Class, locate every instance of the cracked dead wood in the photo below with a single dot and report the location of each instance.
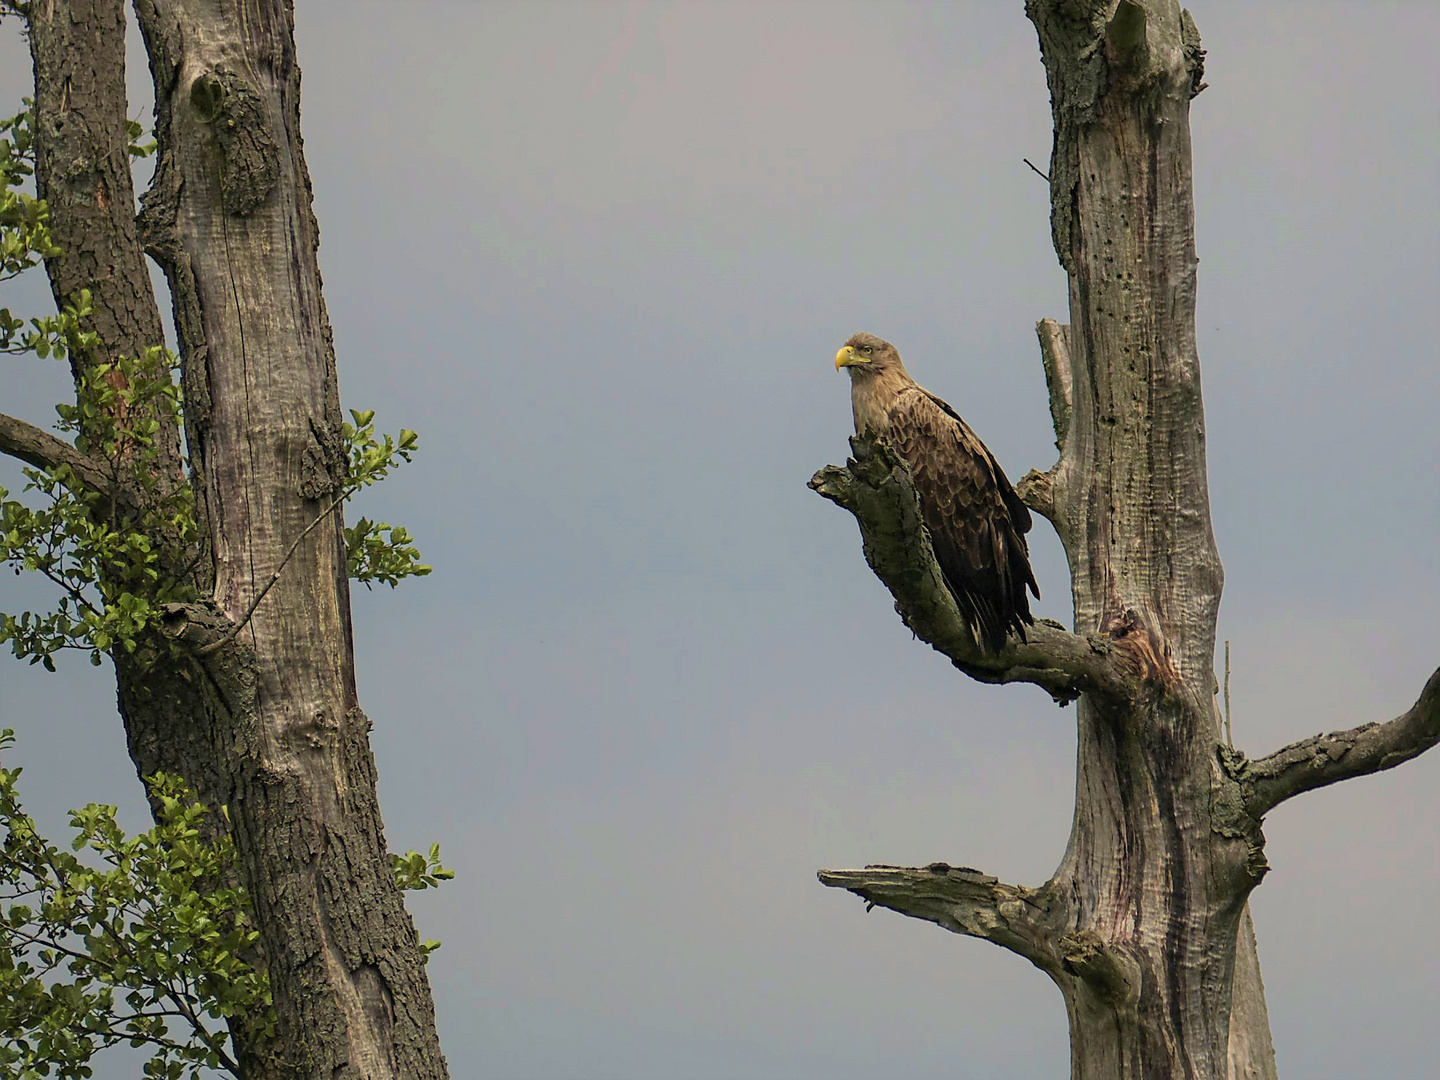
(963, 901)
(261, 714)
(1144, 925)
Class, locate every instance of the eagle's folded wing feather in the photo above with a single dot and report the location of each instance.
(976, 521)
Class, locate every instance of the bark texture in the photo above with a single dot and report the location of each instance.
(268, 722)
(229, 218)
(1144, 925)
(1149, 877)
(82, 169)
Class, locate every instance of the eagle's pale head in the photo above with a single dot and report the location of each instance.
(866, 356)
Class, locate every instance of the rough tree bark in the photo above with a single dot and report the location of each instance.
(1144, 925)
(260, 713)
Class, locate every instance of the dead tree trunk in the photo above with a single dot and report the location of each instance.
(259, 711)
(1144, 925)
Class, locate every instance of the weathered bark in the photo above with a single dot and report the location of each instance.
(1144, 925)
(268, 723)
(229, 218)
(82, 169)
(1149, 895)
(1130, 502)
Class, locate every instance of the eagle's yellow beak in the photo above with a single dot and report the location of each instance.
(845, 357)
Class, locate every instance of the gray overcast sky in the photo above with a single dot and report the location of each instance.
(600, 256)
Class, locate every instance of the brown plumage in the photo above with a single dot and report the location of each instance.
(977, 523)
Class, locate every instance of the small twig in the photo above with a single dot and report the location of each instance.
(206, 650)
(1043, 176)
(69, 590)
(1228, 741)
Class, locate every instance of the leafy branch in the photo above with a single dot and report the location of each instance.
(148, 947)
(415, 871)
(144, 948)
(378, 551)
(138, 144)
(24, 220)
(112, 560)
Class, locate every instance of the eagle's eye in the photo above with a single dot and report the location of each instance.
(866, 349)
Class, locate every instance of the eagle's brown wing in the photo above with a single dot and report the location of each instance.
(976, 521)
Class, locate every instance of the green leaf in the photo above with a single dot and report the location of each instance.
(159, 920)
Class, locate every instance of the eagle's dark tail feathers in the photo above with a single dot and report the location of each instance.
(992, 623)
(994, 605)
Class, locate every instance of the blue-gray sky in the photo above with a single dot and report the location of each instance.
(600, 256)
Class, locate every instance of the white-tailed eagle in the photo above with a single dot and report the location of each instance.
(977, 523)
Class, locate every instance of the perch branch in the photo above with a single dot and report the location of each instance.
(963, 901)
(1339, 755)
(875, 486)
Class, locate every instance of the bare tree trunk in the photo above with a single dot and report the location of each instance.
(1139, 924)
(264, 721)
(228, 217)
(83, 172)
(1144, 925)
(1154, 886)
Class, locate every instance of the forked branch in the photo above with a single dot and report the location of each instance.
(875, 486)
(963, 901)
(1339, 755)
